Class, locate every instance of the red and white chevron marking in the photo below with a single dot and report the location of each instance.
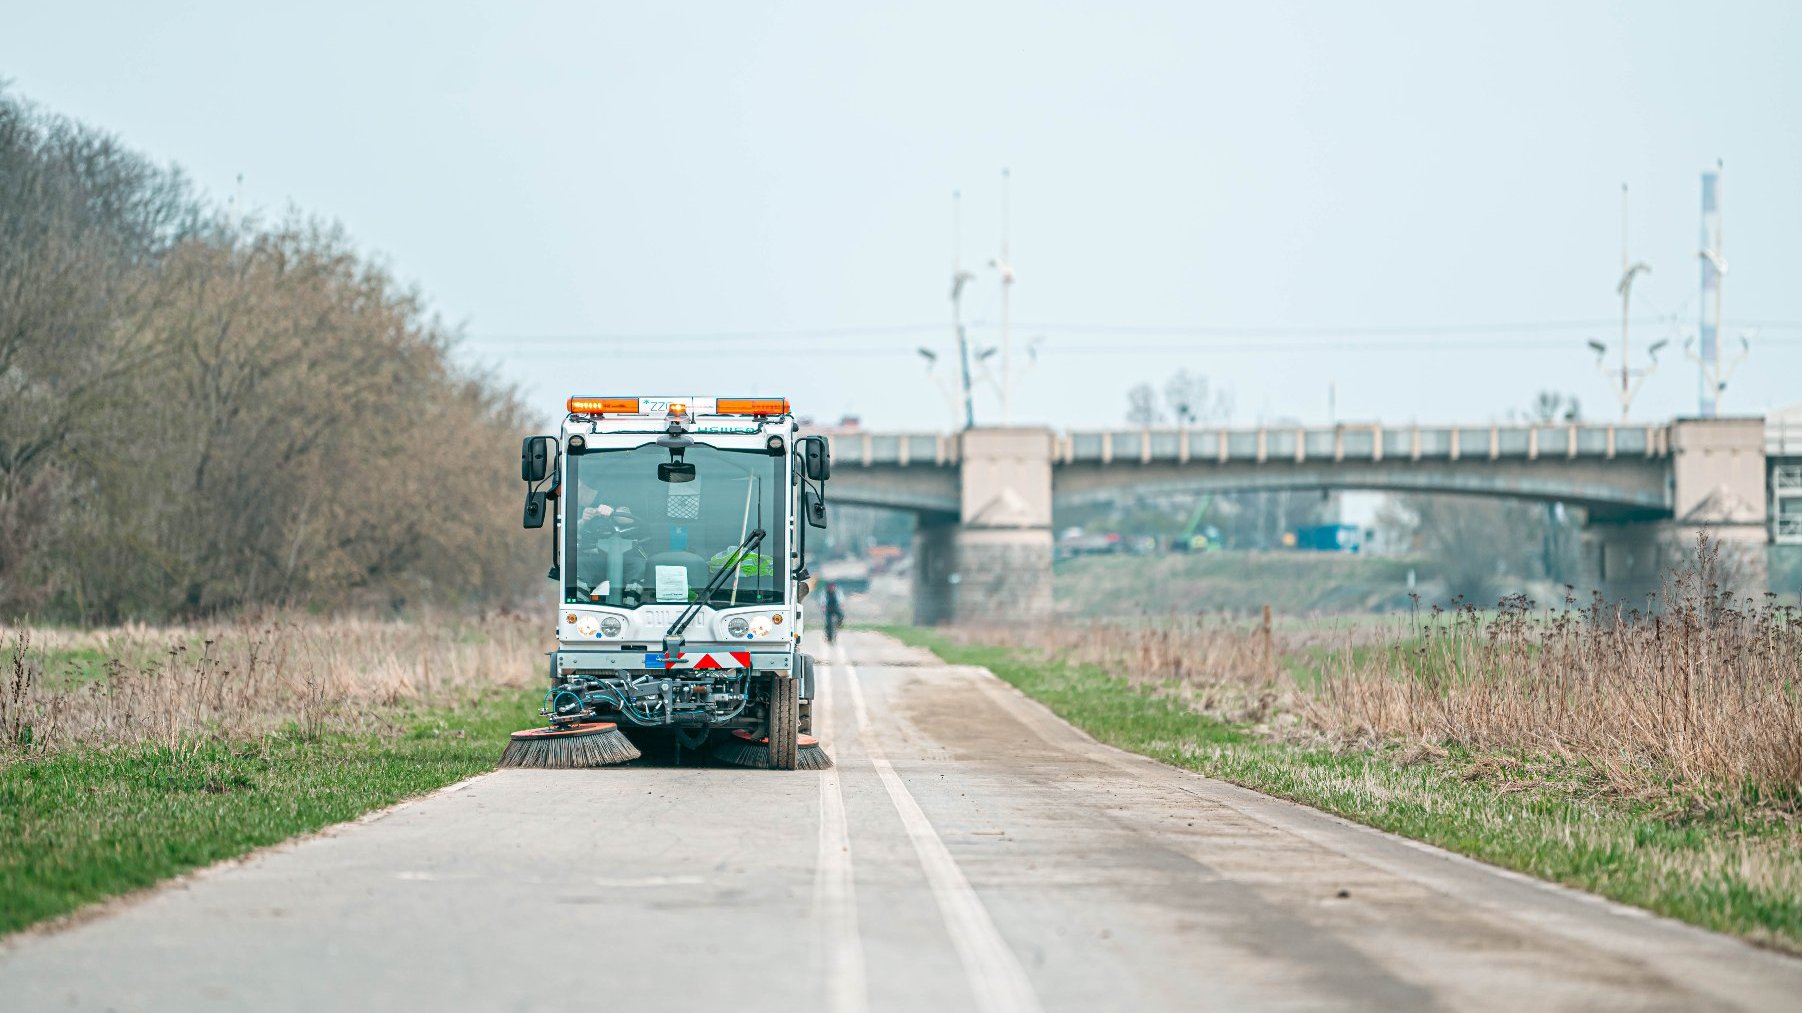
(713, 659)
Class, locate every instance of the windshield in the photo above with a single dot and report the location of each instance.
(632, 539)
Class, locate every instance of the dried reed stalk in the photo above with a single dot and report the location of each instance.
(1698, 691)
(234, 680)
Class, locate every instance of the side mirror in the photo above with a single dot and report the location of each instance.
(535, 459)
(813, 507)
(816, 457)
(535, 508)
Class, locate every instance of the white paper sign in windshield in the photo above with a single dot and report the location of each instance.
(672, 583)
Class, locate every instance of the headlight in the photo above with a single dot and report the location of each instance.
(737, 626)
(587, 625)
(611, 625)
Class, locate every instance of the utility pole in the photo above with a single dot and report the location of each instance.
(1630, 378)
(1714, 270)
(1628, 271)
(1006, 266)
(959, 277)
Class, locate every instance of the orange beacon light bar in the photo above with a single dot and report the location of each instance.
(603, 405)
(751, 406)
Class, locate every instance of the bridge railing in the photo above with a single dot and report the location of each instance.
(1373, 443)
(872, 448)
(1783, 436)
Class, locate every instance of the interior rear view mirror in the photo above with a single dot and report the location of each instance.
(675, 471)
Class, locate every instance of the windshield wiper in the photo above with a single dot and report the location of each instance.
(672, 637)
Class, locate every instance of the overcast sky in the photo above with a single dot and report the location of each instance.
(1415, 206)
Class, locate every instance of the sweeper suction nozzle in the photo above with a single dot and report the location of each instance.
(744, 750)
(592, 744)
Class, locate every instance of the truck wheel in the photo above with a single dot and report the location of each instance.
(807, 717)
(785, 721)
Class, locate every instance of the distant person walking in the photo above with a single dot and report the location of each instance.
(835, 611)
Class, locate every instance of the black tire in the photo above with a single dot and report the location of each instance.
(785, 722)
(807, 717)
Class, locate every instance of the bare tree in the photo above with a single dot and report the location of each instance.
(1142, 406)
(1489, 547)
(1552, 406)
(197, 416)
(1191, 400)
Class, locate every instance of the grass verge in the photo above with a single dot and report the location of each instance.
(85, 824)
(1732, 866)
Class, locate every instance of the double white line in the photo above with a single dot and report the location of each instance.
(996, 978)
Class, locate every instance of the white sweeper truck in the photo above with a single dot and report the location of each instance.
(679, 553)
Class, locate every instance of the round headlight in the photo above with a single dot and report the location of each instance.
(587, 625)
(611, 625)
(737, 626)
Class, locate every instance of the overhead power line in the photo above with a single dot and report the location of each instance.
(729, 339)
(1086, 350)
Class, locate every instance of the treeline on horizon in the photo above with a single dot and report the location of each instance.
(200, 414)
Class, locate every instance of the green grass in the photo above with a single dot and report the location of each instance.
(84, 825)
(1722, 863)
(73, 666)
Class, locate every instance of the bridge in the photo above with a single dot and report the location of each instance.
(984, 497)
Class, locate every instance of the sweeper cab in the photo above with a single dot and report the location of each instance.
(679, 551)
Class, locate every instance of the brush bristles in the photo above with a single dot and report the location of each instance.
(740, 753)
(593, 749)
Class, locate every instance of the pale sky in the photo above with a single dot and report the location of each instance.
(1415, 205)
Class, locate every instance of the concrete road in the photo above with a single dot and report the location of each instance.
(969, 852)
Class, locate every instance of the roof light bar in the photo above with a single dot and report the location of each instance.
(603, 406)
(762, 406)
(752, 406)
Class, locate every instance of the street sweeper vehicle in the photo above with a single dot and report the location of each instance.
(679, 551)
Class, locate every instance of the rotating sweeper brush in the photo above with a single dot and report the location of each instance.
(591, 744)
(742, 749)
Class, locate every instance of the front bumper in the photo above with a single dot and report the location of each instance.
(693, 656)
(706, 685)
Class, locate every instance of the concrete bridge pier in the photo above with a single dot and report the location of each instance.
(993, 564)
(1717, 476)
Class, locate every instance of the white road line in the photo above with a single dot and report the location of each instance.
(834, 886)
(996, 977)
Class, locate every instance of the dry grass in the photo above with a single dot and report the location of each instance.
(242, 679)
(1700, 695)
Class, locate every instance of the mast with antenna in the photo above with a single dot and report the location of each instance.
(1713, 376)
